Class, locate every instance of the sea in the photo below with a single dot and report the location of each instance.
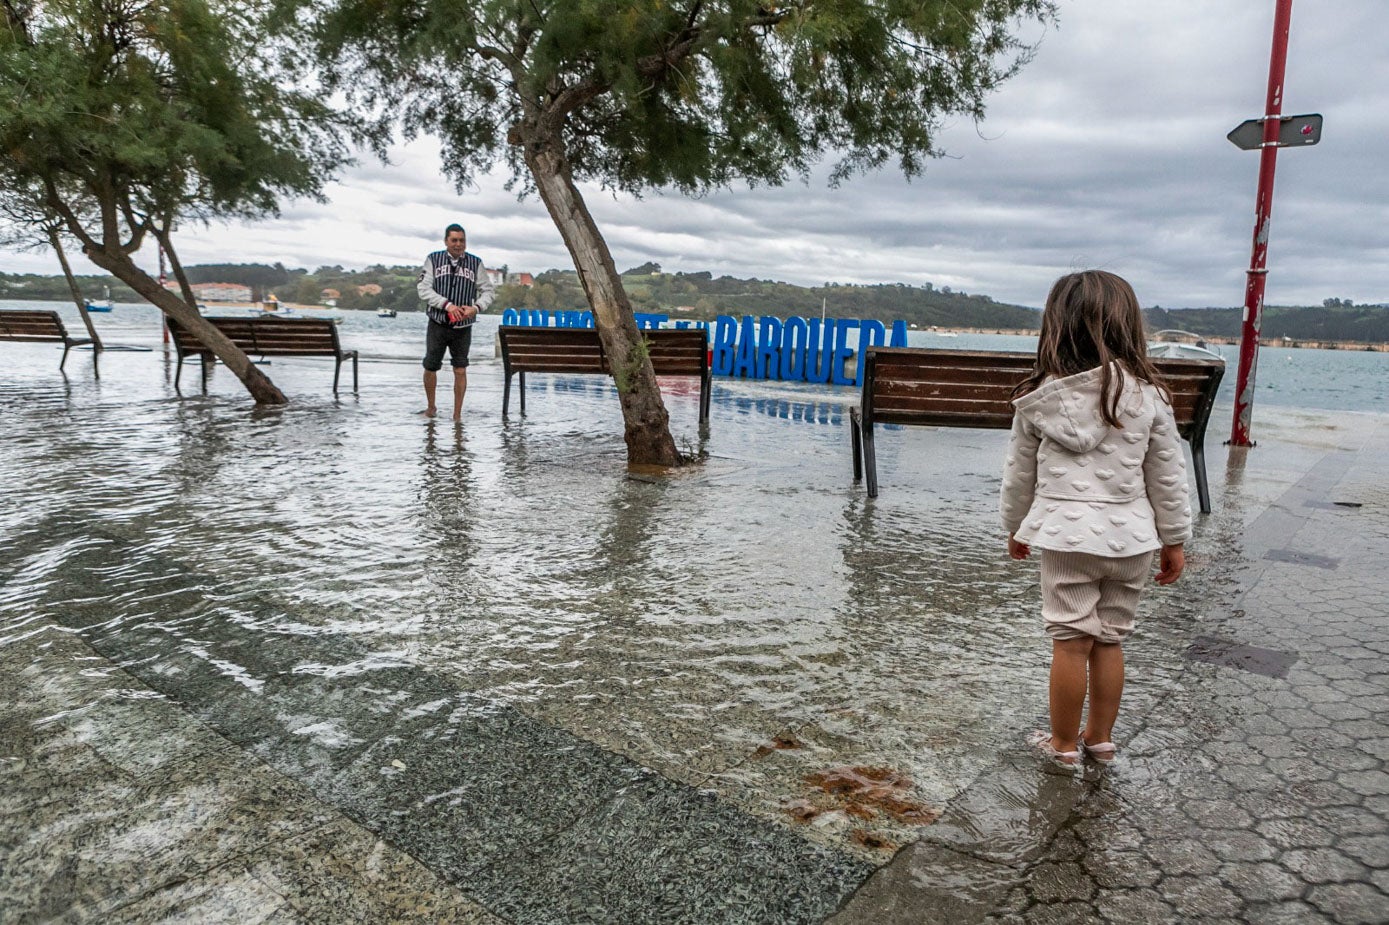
(1311, 379)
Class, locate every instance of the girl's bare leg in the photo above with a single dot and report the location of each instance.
(1070, 659)
(1106, 690)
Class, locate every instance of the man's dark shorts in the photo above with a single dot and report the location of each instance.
(456, 340)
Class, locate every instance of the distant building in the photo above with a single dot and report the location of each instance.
(525, 279)
(369, 289)
(683, 308)
(496, 276)
(215, 292)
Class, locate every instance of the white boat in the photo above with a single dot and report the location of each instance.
(273, 308)
(1165, 346)
(385, 313)
(102, 304)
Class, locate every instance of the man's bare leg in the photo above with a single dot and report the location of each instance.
(431, 379)
(460, 385)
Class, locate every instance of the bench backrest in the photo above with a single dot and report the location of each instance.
(29, 324)
(674, 352)
(267, 336)
(551, 350)
(969, 388)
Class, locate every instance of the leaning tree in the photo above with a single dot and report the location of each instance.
(637, 94)
(128, 115)
(27, 223)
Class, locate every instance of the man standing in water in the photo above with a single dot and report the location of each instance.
(454, 289)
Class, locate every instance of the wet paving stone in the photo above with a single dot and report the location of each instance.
(1231, 654)
(1297, 557)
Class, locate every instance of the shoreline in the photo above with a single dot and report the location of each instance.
(1352, 346)
(1356, 346)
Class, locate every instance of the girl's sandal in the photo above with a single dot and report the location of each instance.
(1040, 741)
(1102, 752)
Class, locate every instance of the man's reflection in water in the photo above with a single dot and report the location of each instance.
(447, 518)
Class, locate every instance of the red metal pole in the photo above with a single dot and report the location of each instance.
(1263, 214)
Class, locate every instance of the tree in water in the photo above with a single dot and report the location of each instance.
(127, 115)
(26, 223)
(636, 94)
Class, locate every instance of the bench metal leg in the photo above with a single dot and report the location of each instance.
(178, 370)
(856, 440)
(63, 361)
(354, 373)
(204, 362)
(870, 459)
(522, 386)
(705, 390)
(337, 370)
(1198, 462)
(96, 361)
(506, 392)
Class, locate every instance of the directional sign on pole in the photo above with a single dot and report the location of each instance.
(1293, 131)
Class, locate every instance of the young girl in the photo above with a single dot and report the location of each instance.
(1096, 479)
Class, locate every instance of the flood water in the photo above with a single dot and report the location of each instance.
(745, 625)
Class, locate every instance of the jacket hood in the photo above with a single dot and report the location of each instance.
(1068, 410)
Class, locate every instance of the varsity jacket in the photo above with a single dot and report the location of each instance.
(445, 281)
(1073, 483)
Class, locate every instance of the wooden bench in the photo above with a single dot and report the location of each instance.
(267, 337)
(673, 351)
(41, 326)
(966, 388)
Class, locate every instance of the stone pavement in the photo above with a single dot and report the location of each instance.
(140, 783)
(1254, 791)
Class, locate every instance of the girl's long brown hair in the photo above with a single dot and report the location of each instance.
(1092, 319)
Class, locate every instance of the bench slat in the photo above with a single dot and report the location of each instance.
(33, 338)
(940, 417)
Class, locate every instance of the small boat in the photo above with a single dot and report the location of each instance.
(385, 313)
(273, 308)
(1165, 344)
(102, 304)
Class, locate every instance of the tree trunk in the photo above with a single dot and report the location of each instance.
(184, 286)
(57, 244)
(647, 423)
(124, 269)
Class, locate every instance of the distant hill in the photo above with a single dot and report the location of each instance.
(1334, 320)
(703, 296)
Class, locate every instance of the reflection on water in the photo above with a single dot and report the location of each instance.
(685, 621)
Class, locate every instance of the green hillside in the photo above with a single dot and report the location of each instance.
(702, 296)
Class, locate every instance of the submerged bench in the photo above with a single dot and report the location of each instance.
(967, 388)
(673, 351)
(267, 337)
(41, 326)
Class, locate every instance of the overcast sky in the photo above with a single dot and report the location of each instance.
(1108, 150)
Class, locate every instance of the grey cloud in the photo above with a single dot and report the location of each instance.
(1108, 149)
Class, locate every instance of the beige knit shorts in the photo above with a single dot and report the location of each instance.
(1089, 595)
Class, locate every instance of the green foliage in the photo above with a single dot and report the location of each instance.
(688, 95)
(156, 110)
(1333, 320)
(55, 288)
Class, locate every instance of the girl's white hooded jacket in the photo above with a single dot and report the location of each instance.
(1075, 484)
